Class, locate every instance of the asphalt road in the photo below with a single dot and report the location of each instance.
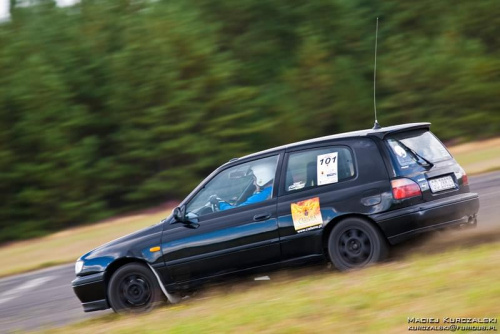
(44, 299)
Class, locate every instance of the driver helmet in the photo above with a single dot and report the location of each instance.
(263, 172)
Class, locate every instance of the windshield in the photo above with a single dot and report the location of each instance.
(417, 148)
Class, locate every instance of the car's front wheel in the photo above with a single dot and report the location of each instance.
(133, 288)
(355, 243)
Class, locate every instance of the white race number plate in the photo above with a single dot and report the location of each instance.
(442, 183)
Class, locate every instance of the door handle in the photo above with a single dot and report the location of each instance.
(263, 216)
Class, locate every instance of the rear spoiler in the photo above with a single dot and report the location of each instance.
(383, 132)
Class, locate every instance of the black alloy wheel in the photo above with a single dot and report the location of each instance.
(355, 243)
(134, 288)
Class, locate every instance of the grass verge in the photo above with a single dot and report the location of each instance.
(478, 157)
(66, 246)
(454, 282)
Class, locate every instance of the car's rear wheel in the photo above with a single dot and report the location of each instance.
(355, 243)
(133, 288)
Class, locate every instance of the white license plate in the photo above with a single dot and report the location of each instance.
(443, 183)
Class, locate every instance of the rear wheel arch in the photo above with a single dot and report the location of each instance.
(327, 230)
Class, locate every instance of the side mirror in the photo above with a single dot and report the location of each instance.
(180, 214)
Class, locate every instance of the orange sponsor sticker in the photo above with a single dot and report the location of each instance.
(306, 215)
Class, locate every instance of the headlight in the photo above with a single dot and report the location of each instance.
(78, 266)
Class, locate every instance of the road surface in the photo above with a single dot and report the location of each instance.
(44, 299)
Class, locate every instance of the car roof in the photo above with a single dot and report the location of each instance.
(379, 133)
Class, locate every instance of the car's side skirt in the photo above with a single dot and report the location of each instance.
(178, 286)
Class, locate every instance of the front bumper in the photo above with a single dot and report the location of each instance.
(402, 224)
(91, 290)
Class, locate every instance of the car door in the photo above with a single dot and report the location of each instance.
(316, 186)
(237, 237)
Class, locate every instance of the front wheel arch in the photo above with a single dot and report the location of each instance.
(172, 297)
(116, 264)
(133, 288)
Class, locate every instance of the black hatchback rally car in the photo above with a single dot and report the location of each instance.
(344, 198)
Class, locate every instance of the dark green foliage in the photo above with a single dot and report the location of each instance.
(115, 105)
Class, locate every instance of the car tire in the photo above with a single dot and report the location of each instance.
(134, 288)
(356, 243)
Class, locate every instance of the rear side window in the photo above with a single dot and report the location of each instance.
(318, 167)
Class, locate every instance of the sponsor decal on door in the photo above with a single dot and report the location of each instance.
(306, 215)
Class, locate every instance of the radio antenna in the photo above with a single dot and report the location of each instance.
(376, 126)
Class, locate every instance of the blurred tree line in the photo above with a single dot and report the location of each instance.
(116, 105)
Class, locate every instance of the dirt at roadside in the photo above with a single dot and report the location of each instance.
(441, 241)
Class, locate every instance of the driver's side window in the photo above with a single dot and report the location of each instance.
(237, 186)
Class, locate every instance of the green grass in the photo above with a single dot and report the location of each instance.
(457, 282)
(473, 157)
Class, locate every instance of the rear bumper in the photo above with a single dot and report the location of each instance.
(402, 224)
(91, 290)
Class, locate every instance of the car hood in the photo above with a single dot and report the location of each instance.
(129, 245)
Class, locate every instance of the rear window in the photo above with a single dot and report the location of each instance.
(419, 148)
(317, 167)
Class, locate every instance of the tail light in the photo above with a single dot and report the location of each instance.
(405, 188)
(465, 178)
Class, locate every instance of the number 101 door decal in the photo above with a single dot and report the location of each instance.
(327, 168)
